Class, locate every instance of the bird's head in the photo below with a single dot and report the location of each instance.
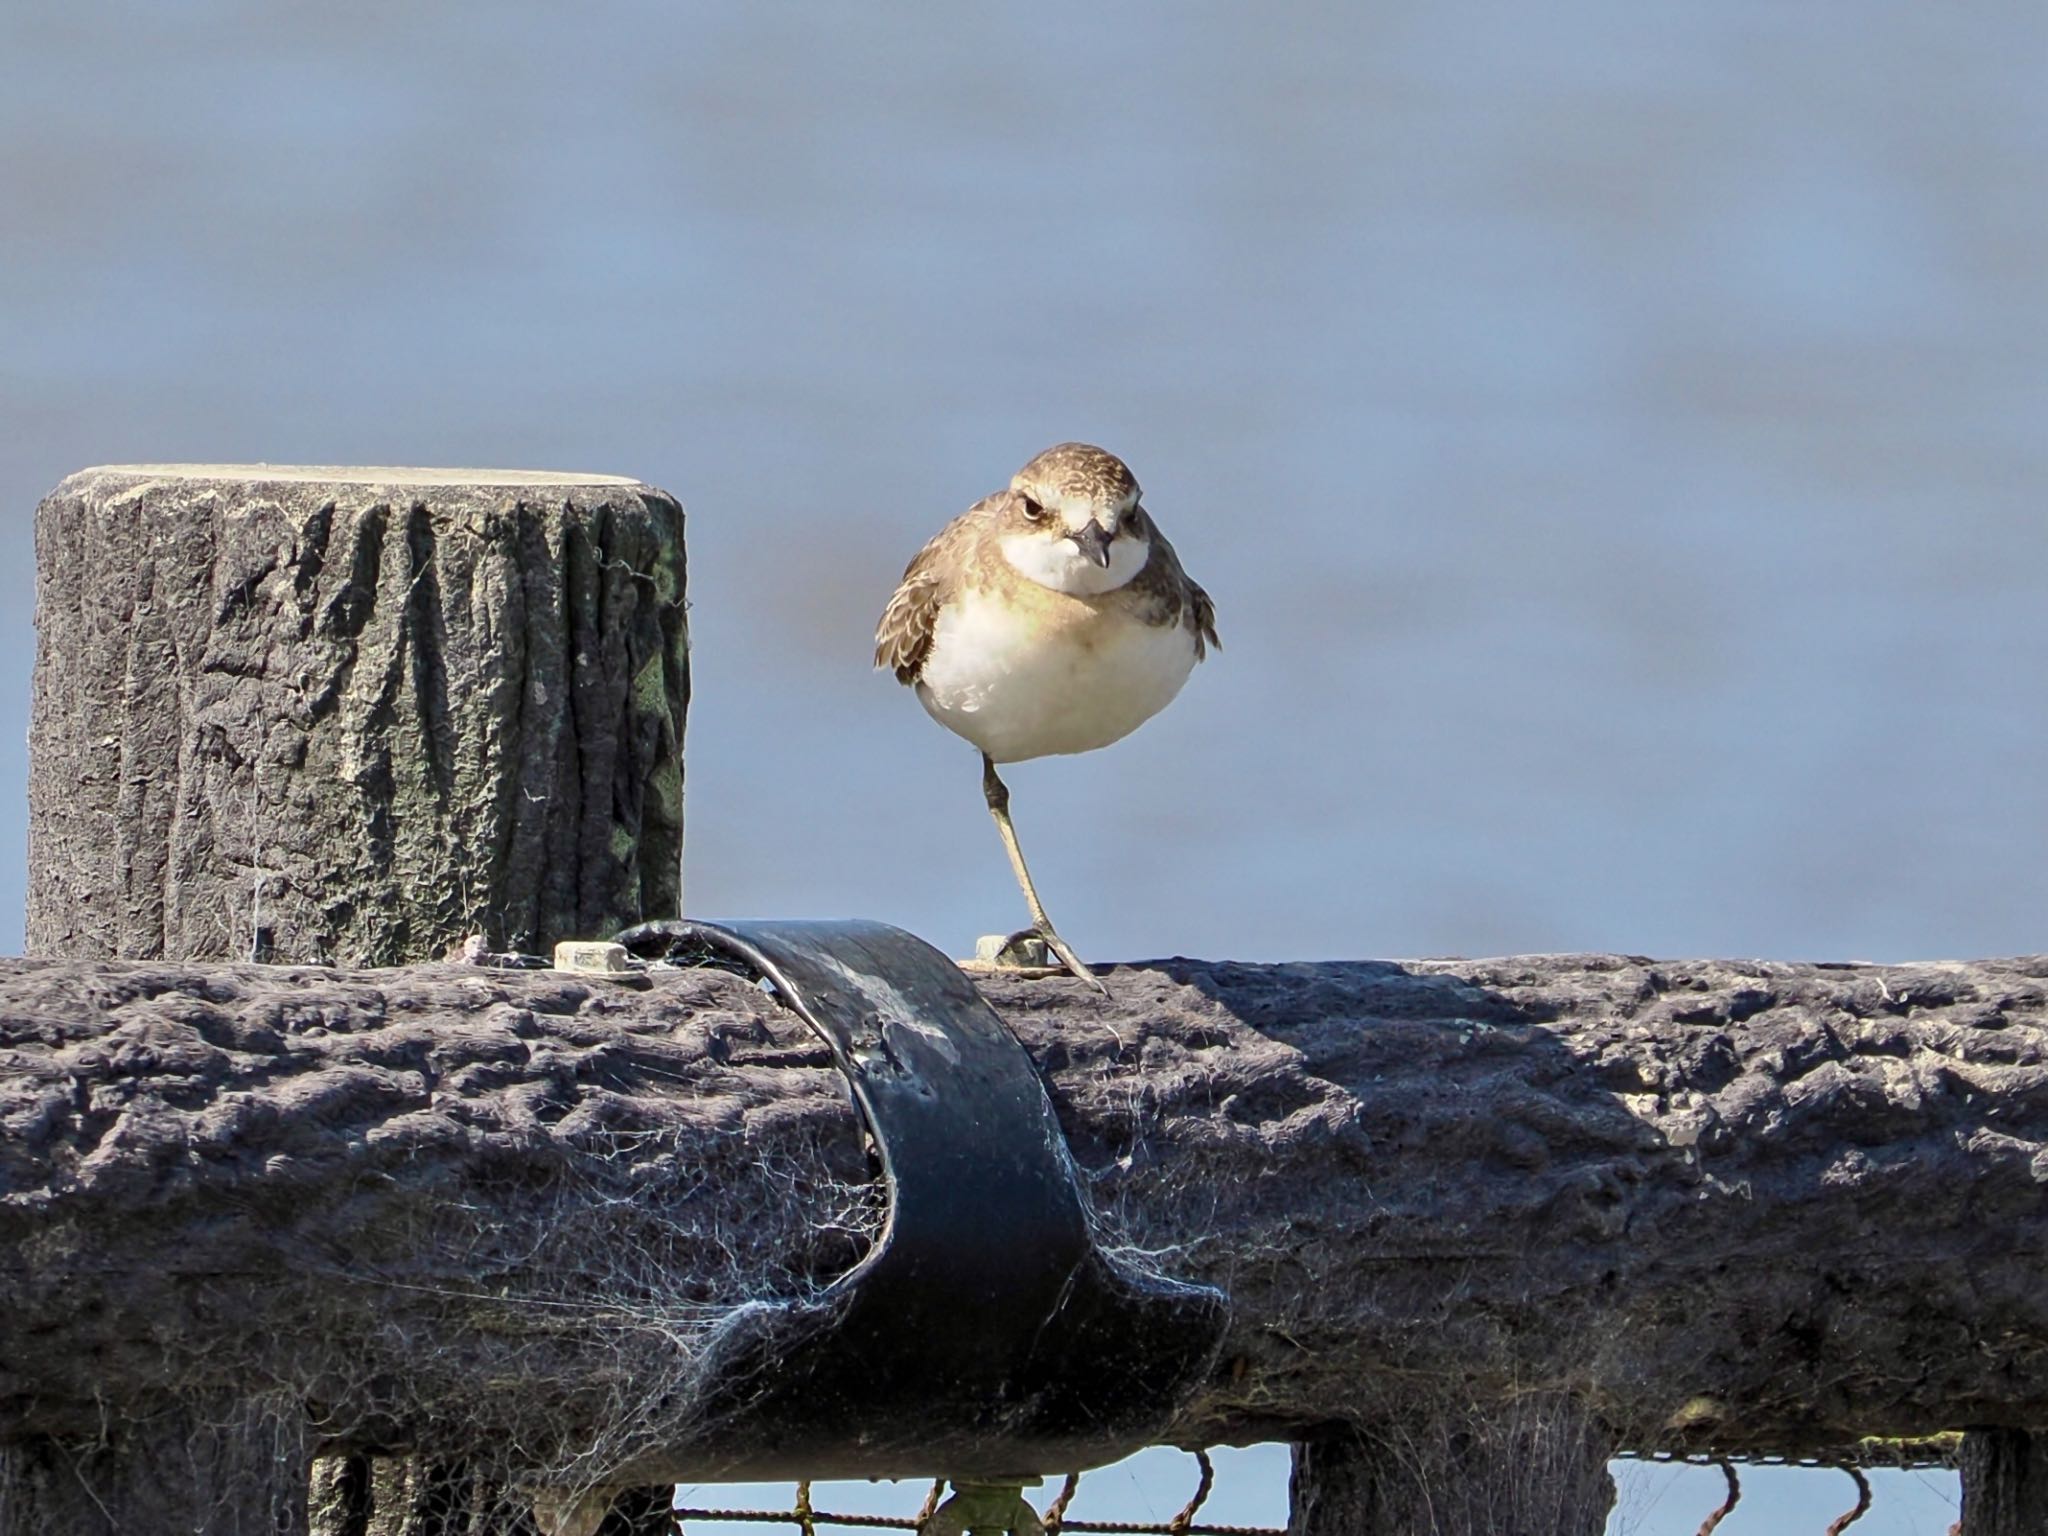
(1071, 521)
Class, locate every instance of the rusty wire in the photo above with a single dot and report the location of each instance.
(906, 1523)
(1915, 1453)
(807, 1518)
(1921, 1453)
(1734, 1498)
(1180, 1524)
(790, 1517)
(1849, 1518)
(1055, 1514)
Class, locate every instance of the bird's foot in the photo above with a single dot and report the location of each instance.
(1044, 936)
(1023, 950)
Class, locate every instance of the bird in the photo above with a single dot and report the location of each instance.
(1052, 617)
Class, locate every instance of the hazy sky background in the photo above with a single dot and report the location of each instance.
(1613, 435)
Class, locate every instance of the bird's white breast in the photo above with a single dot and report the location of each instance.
(1019, 684)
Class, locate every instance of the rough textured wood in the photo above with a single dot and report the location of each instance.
(230, 1465)
(2005, 1482)
(352, 716)
(340, 1496)
(1534, 1462)
(1762, 1208)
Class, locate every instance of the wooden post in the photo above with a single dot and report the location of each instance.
(223, 1466)
(2005, 1483)
(352, 716)
(1535, 1464)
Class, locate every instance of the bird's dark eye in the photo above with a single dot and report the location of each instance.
(1131, 521)
(1033, 510)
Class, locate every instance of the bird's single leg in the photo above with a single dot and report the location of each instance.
(997, 794)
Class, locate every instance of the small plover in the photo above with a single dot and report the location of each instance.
(1052, 617)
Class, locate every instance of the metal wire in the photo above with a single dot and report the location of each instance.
(790, 1517)
(1181, 1523)
(903, 1523)
(807, 1518)
(1862, 1503)
(1922, 1454)
(1938, 1451)
(1055, 1515)
(1734, 1498)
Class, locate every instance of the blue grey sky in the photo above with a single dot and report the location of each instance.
(1613, 435)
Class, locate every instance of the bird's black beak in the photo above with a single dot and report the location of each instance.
(1093, 542)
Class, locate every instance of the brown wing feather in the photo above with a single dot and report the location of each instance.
(1205, 619)
(1174, 596)
(903, 638)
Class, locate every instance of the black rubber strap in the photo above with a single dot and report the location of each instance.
(985, 1334)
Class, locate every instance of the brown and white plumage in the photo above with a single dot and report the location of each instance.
(1052, 617)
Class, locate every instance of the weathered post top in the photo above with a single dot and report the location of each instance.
(351, 474)
(352, 714)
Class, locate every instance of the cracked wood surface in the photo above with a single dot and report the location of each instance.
(352, 716)
(1762, 1207)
